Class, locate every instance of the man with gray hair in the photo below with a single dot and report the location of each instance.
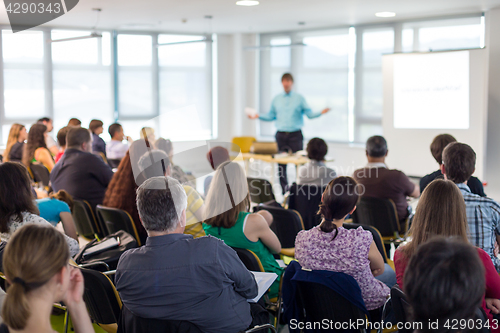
(177, 277)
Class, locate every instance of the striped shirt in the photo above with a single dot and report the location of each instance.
(483, 217)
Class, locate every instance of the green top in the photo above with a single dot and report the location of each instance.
(235, 237)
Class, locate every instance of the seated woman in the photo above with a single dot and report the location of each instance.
(98, 144)
(331, 247)
(15, 143)
(36, 150)
(316, 172)
(17, 205)
(57, 208)
(61, 141)
(441, 212)
(227, 218)
(36, 266)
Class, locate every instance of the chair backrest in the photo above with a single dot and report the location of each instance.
(287, 223)
(378, 213)
(260, 190)
(401, 307)
(113, 162)
(40, 174)
(85, 221)
(130, 323)
(244, 142)
(100, 296)
(115, 219)
(306, 199)
(377, 237)
(249, 259)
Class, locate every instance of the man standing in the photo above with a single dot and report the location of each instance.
(288, 110)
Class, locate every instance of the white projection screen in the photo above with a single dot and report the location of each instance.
(426, 94)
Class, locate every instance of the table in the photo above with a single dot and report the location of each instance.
(298, 160)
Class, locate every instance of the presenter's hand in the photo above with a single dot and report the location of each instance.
(254, 116)
(325, 110)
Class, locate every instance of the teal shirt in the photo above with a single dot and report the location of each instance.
(288, 110)
(50, 209)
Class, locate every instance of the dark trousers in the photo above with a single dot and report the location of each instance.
(288, 142)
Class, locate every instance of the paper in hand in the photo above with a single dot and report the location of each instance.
(250, 112)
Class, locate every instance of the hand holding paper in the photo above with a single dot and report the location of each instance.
(251, 113)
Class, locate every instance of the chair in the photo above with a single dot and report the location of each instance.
(115, 219)
(401, 307)
(102, 300)
(85, 221)
(244, 142)
(113, 162)
(306, 199)
(40, 174)
(287, 223)
(249, 259)
(261, 190)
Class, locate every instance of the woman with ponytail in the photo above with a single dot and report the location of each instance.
(331, 247)
(38, 274)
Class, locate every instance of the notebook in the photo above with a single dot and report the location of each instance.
(264, 281)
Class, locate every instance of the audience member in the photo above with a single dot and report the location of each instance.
(57, 208)
(15, 143)
(116, 149)
(35, 150)
(381, 182)
(79, 172)
(98, 144)
(176, 277)
(50, 142)
(437, 147)
(483, 213)
(61, 140)
(441, 212)
(75, 122)
(156, 163)
(227, 218)
(215, 156)
(444, 284)
(17, 206)
(177, 172)
(331, 247)
(148, 133)
(316, 172)
(38, 273)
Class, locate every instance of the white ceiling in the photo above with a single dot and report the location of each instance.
(269, 16)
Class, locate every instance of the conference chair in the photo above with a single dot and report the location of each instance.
(115, 219)
(114, 162)
(39, 173)
(85, 221)
(261, 190)
(401, 307)
(306, 199)
(244, 143)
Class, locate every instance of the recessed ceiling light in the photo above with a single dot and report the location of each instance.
(385, 14)
(247, 3)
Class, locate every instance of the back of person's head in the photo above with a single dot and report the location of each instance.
(154, 163)
(61, 136)
(43, 120)
(36, 139)
(459, 162)
(165, 145)
(147, 133)
(287, 76)
(64, 196)
(376, 146)
(339, 199)
(32, 257)
(77, 136)
(440, 212)
(438, 145)
(15, 194)
(160, 203)
(444, 281)
(317, 149)
(228, 196)
(75, 122)
(217, 155)
(113, 129)
(95, 124)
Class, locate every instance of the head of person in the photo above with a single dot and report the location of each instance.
(316, 149)
(339, 199)
(165, 145)
(154, 163)
(287, 82)
(161, 203)
(148, 133)
(376, 148)
(64, 196)
(116, 131)
(15, 194)
(440, 212)
(444, 281)
(216, 156)
(459, 162)
(75, 122)
(228, 196)
(36, 264)
(36, 139)
(17, 134)
(61, 136)
(96, 126)
(79, 138)
(47, 122)
(438, 145)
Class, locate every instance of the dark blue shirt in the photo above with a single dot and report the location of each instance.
(176, 277)
(474, 183)
(98, 144)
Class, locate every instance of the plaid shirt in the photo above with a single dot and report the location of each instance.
(483, 217)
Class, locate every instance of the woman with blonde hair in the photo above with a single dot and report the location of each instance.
(38, 274)
(15, 143)
(36, 149)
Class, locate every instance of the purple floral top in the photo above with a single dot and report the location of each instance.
(348, 253)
